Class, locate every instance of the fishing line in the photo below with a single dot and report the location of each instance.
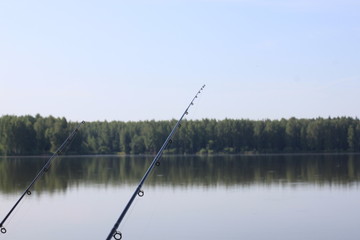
(44, 169)
(114, 233)
(195, 111)
(21, 206)
(149, 223)
(24, 207)
(10, 220)
(132, 210)
(131, 213)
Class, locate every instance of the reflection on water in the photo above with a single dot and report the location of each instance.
(180, 171)
(293, 197)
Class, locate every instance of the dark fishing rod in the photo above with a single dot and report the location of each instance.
(114, 233)
(45, 168)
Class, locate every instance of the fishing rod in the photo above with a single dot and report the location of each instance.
(114, 233)
(44, 169)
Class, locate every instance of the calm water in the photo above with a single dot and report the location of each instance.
(228, 197)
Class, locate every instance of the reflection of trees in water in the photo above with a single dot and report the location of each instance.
(181, 171)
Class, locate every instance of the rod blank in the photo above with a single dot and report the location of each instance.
(114, 233)
(45, 168)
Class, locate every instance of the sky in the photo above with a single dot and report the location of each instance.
(142, 60)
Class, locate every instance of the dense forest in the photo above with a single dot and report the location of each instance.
(29, 135)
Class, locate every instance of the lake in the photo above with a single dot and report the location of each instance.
(254, 197)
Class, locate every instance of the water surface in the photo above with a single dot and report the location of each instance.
(218, 197)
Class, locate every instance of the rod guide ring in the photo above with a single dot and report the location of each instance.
(28, 192)
(141, 193)
(157, 163)
(3, 230)
(117, 235)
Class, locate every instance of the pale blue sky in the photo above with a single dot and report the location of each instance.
(142, 60)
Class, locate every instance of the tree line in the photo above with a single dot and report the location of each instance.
(34, 135)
